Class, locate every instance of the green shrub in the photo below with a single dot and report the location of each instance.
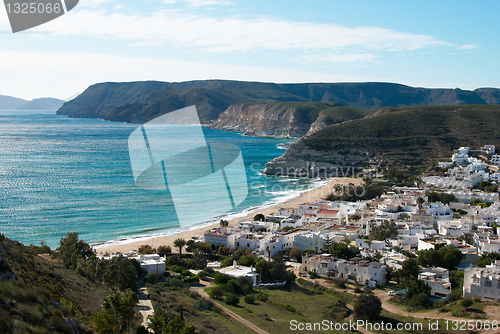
(250, 299)
(477, 300)
(220, 278)
(466, 302)
(232, 299)
(233, 287)
(216, 292)
(262, 297)
(150, 278)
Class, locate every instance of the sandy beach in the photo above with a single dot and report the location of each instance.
(310, 196)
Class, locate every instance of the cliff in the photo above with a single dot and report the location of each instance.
(276, 119)
(138, 102)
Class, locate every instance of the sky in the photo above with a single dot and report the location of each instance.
(434, 44)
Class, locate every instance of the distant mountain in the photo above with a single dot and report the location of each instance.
(45, 103)
(402, 137)
(9, 102)
(138, 102)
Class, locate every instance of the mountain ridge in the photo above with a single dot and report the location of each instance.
(139, 102)
(44, 103)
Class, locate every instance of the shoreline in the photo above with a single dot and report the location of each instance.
(313, 195)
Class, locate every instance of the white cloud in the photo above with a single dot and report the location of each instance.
(36, 74)
(341, 57)
(468, 47)
(235, 34)
(199, 3)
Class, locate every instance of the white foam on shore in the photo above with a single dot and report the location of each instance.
(283, 198)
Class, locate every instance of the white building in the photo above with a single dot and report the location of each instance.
(440, 211)
(240, 271)
(483, 283)
(495, 159)
(374, 244)
(357, 272)
(152, 263)
(439, 281)
(220, 237)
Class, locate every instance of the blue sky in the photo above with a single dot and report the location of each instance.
(446, 44)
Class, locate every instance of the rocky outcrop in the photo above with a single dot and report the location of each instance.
(269, 120)
(303, 161)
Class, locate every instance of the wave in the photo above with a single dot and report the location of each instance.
(281, 197)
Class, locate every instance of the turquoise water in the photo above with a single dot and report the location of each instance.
(60, 175)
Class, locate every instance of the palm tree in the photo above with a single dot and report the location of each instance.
(179, 243)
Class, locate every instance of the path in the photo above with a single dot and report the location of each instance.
(144, 305)
(384, 297)
(230, 313)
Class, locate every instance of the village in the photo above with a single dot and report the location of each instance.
(384, 232)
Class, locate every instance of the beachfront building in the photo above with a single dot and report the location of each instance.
(151, 263)
(219, 237)
(483, 283)
(354, 271)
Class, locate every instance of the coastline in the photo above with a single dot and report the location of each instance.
(313, 195)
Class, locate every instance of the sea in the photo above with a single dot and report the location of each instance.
(61, 174)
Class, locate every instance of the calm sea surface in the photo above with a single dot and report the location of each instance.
(60, 175)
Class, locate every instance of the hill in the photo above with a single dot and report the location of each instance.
(138, 102)
(45, 103)
(9, 102)
(404, 137)
(39, 295)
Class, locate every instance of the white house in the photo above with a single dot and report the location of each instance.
(240, 271)
(357, 272)
(152, 263)
(483, 283)
(374, 244)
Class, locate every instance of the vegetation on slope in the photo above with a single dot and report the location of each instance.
(411, 136)
(44, 296)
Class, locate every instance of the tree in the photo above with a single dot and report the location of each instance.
(409, 270)
(224, 223)
(71, 249)
(259, 217)
(163, 322)
(118, 313)
(466, 238)
(119, 273)
(386, 230)
(367, 307)
(146, 249)
(179, 243)
(295, 253)
(343, 251)
(164, 250)
(206, 249)
(327, 243)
